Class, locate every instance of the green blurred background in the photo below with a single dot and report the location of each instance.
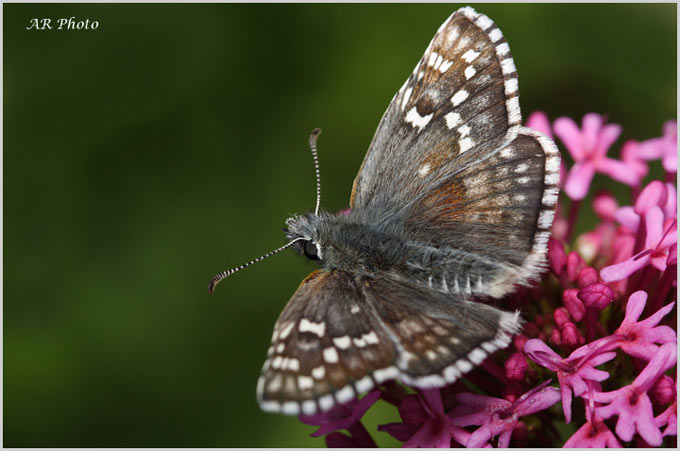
(171, 143)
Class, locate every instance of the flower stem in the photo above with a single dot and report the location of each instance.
(573, 215)
(592, 318)
(663, 288)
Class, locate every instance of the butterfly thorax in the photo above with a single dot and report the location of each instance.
(364, 244)
(348, 242)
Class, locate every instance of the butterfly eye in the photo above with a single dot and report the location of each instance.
(310, 250)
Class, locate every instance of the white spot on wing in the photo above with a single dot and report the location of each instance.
(508, 66)
(459, 97)
(424, 170)
(344, 394)
(470, 56)
(385, 374)
(290, 408)
(470, 72)
(286, 330)
(484, 22)
(495, 35)
(465, 144)
(511, 86)
(407, 97)
(359, 342)
(308, 407)
(319, 372)
(452, 119)
(514, 115)
(446, 65)
(545, 219)
(326, 402)
(342, 342)
(417, 120)
(371, 338)
(330, 355)
(503, 49)
(464, 366)
(305, 382)
(318, 329)
(522, 168)
(364, 384)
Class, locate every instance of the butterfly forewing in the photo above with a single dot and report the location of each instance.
(451, 153)
(461, 95)
(327, 346)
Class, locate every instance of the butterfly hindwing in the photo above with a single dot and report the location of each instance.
(500, 206)
(342, 335)
(439, 337)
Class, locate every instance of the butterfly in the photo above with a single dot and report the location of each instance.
(453, 203)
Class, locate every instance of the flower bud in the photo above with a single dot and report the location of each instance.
(587, 276)
(515, 367)
(574, 265)
(556, 337)
(570, 335)
(556, 255)
(596, 295)
(561, 316)
(663, 390)
(573, 304)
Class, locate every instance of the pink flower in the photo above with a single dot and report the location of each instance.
(639, 337)
(594, 433)
(344, 416)
(605, 205)
(498, 417)
(629, 155)
(575, 370)
(665, 147)
(589, 147)
(424, 423)
(660, 237)
(631, 403)
(669, 417)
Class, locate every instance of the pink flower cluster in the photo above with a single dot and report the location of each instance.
(600, 337)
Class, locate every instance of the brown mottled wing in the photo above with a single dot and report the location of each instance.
(327, 346)
(342, 335)
(460, 99)
(452, 161)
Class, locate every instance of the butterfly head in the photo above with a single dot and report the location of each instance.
(304, 230)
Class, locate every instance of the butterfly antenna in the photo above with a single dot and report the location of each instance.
(223, 275)
(312, 145)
